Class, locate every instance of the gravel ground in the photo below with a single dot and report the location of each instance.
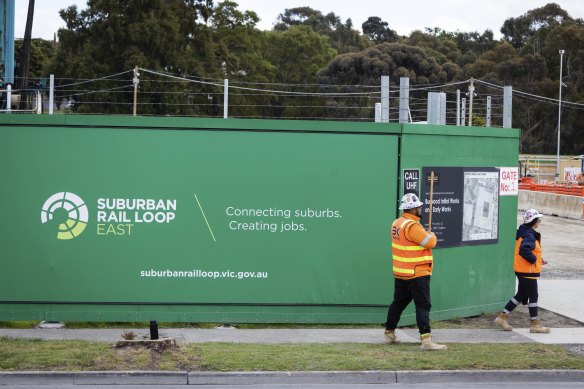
(518, 318)
(577, 349)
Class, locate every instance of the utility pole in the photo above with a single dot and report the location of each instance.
(135, 81)
(471, 95)
(22, 82)
(559, 116)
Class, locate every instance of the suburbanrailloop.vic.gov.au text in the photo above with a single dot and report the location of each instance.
(198, 273)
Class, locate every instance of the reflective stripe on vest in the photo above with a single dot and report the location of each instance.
(407, 255)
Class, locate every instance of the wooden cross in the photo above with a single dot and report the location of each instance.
(431, 179)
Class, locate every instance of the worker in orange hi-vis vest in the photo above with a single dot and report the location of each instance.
(411, 247)
(527, 263)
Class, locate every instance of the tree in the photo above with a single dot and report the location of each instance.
(342, 36)
(297, 53)
(378, 31)
(240, 49)
(41, 54)
(112, 36)
(398, 60)
(532, 26)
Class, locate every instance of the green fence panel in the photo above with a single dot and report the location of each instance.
(125, 219)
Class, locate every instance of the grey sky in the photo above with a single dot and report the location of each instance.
(450, 15)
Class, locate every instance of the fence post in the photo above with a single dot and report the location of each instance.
(404, 99)
(463, 112)
(225, 98)
(507, 106)
(8, 98)
(488, 111)
(39, 103)
(377, 112)
(135, 81)
(458, 107)
(385, 99)
(51, 93)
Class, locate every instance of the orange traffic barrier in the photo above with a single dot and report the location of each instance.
(571, 190)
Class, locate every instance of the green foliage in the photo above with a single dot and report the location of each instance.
(41, 53)
(298, 53)
(531, 28)
(395, 59)
(202, 40)
(378, 31)
(342, 36)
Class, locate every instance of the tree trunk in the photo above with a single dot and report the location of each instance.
(22, 81)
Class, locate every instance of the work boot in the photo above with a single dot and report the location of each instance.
(501, 320)
(390, 336)
(428, 345)
(537, 328)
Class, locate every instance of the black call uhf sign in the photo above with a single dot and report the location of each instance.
(412, 181)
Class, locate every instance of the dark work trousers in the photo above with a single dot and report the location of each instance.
(526, 292)
(417, 289)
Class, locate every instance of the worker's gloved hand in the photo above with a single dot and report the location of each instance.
(544, 262)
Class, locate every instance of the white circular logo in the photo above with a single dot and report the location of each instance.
(73, 209)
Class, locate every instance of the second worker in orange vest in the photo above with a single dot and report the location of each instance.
(411, 248)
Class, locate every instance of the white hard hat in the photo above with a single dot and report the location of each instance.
(410, 201)
(531, 214)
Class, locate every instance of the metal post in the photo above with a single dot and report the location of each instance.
(51, 93)
(432, 111)
(8, 41)
(488, 111)
(384, 99)
(8, 98)
(136, 81)
(377, 112)
(463, 112)
(225, 98)
(436, 108)
(507, 106)
(559, 115)
(39, 103)
(442, 105)
(404, 99)
(458, 107)
(471, 95)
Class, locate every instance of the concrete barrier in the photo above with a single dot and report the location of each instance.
(571, 207)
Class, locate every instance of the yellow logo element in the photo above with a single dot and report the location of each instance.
(74, 208)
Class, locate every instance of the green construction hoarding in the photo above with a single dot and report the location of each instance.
(212, 220)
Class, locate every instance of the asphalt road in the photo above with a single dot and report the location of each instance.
(467, 385)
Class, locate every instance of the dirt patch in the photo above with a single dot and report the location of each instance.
(157, 345)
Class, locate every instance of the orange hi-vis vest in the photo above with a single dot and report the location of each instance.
(410, 260)
(521, 265)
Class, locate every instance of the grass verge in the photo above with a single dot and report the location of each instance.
(19, 354)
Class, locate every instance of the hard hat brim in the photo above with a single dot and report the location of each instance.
(416, 204)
